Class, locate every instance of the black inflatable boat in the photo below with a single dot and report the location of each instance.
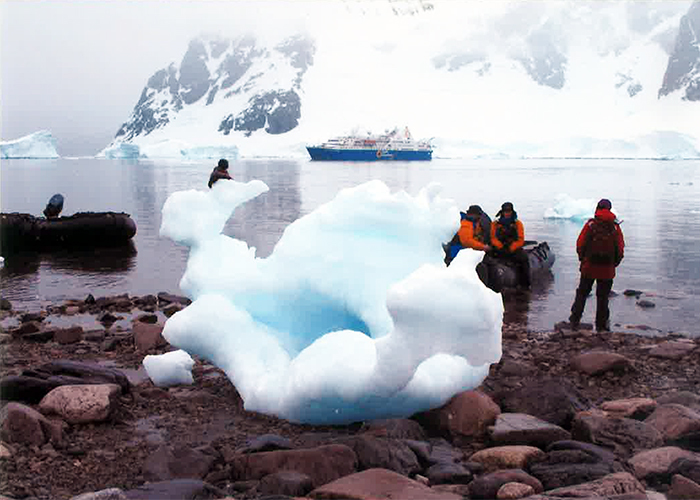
(498, 274)
(81, 230)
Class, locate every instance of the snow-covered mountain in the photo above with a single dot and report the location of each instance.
(532, 78)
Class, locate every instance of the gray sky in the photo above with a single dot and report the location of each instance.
(77, 67)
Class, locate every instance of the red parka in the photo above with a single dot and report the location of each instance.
(599, 271)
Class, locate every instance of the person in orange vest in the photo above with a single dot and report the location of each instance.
(219, 172)
(507, 240)
(600, 247)
(474, 232)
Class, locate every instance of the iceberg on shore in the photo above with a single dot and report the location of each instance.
(169, 148)
(38, 145)
(353, 316)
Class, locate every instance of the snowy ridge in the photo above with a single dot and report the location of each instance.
(509, 79)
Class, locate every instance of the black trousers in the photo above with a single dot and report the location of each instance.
(602, 292)
(522, 264)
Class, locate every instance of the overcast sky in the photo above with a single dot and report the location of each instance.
(77, 67)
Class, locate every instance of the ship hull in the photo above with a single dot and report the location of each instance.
(330, 154)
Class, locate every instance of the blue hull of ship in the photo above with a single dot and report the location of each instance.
(326, 154)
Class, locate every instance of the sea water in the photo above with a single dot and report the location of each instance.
(658, 201)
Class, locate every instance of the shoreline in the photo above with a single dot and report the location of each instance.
(569, 382)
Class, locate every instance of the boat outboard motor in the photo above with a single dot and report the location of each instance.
(54, 206)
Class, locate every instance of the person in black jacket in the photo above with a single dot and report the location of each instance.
(219, 172)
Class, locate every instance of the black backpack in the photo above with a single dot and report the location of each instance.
(601, 244)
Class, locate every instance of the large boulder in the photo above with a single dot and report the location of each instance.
(487, 486)
(467, 414)
(623, 436)
(33, 384)
(322, 464)
(382, 453)
(379, 484)
(678, 424)
(522, 429)
(554, 400)
(22, 424)
(80, 404)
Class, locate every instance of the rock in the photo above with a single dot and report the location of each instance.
(673, 349)
(554, 476)
(677, 423)
(22, 424)
(635, 408)
(397, 428)
(384, 453)
(597, 453)
(179, 462)
(285, 482)
(613, 484)
(598, 362)
(68, 335)
(25, 328)
(487, 486)
(554, 400)
(32, 317)
(511, 368)
(322, 464)
(685, 398)
(658, 461)
(151, 319)
(169, 298)
(5, 451)
(171, 309)
(266, 442)
(683, 488)
(512, 491)
(689, 468)
(522, 429)
(507, 457)
(443, 452)
(108, 494)
(97, 335)
(176, 488)
(448, 473)
(379, 484)
(148, 336)
(79, 404)
(422, 450)
(623, 436)
(645, 304)
(632, 293)
(468, 414)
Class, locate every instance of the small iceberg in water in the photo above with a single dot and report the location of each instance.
(38, 145)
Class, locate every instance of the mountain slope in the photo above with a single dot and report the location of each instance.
(521, 78)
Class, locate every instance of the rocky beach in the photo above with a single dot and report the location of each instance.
(564, 414)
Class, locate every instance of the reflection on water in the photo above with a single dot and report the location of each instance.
(659, 202)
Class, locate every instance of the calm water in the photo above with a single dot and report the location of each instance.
(659, 202)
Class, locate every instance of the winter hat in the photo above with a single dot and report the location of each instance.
(507, 206)
(474, 210)
(604, 204)
(223, 163)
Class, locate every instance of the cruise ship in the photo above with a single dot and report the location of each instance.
(394, 145)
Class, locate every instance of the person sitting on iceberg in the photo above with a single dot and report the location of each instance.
(219, 172)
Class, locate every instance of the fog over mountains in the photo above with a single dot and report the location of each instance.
(521, 78)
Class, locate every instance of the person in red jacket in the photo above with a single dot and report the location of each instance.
(507, 240)
(600, 247)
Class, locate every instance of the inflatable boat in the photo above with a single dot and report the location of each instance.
(81, 230)
(498, 274)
